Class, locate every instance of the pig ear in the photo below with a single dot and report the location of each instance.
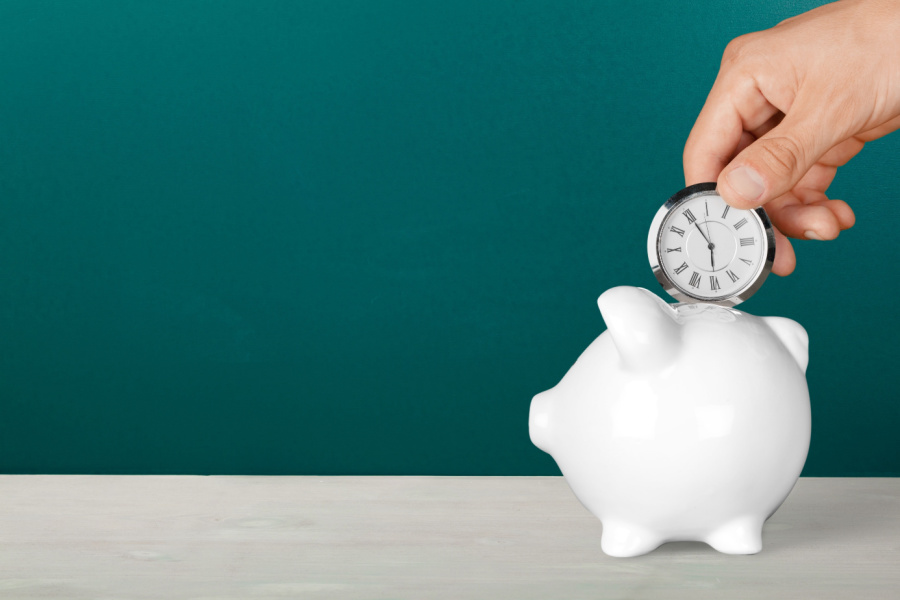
(793, 336)
(642, 326)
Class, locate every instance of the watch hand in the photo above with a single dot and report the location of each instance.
(710, 245)
(701, 233)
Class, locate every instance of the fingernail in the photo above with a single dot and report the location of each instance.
(812, 235)
(746, 182)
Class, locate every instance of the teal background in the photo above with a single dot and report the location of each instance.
(332, 237)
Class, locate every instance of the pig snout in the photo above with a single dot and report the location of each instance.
(539, 421)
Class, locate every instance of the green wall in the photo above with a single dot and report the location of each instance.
(329, 237)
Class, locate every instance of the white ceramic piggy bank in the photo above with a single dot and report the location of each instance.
(680, 422)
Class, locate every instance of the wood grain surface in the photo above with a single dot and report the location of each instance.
(121, 537)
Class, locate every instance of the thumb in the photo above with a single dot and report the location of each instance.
(774, 163)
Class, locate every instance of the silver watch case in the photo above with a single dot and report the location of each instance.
(688, 193)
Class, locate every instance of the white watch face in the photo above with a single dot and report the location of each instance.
(710, 251)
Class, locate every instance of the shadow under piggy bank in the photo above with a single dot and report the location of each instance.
(682, 422)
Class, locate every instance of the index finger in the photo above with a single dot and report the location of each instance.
(735, 105)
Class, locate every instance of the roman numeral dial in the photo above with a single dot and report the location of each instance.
(702, 249)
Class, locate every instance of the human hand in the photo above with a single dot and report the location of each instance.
(790, 105)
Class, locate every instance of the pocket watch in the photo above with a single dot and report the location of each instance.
(703, 250)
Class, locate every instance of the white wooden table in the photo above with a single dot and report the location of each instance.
(112, 537)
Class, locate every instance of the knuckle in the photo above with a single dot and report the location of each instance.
(781, 156)
(737, 50)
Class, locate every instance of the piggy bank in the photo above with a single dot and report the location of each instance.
(682, 422)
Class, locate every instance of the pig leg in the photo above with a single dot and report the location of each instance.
(740, 536)
(624, 539)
